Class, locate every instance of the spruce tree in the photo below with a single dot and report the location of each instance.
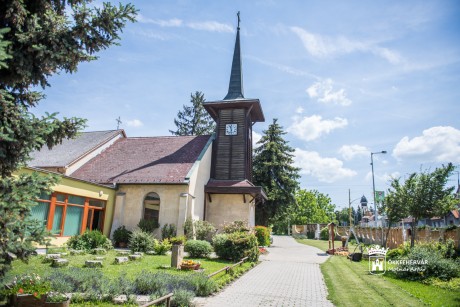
(194, 120)
(273, 170)
(38, 39)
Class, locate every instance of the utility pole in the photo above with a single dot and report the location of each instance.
(373, 184)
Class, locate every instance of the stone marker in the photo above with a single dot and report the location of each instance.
(177, 256)
(135, 257)
(139, 253)
(119, 260)
(99, 258)
(53, 256)
(60, 262)
(93, 264)
(150, 252)
(99, 251)
(77, 252)
(123, 252)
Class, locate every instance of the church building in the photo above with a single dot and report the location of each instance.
(110, 179)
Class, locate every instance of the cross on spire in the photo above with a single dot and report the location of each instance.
(118, 122)
(238, 14)
(235, 87)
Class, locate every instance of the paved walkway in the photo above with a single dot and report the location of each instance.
(288, 276)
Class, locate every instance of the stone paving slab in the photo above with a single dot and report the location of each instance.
(288, 276)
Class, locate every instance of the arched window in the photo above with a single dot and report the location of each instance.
(152, 207)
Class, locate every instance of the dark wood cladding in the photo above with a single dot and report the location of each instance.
(231, 159)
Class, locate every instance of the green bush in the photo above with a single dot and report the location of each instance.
(204, 230)
(141, 241)
(235, 246)
(121, 235)
(182, 297)
(262, 234)
(90, 239)
(434, 265)
(310, 234)
(162, 247)
(198, 248)
(148, 225)
(203, 285)
(324, 235)
(236, 226)
(168, 231)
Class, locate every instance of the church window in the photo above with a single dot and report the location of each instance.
(152, 207)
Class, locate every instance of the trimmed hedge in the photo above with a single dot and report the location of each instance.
(198, 248)
(263, 235)
(235, 246)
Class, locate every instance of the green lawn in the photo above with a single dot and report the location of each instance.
(132, 268)
(350, 284)
(151, 263)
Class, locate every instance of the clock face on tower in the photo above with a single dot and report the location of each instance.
(231, 129)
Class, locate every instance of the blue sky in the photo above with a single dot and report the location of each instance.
(344, 78)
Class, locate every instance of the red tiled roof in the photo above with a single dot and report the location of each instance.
(145, 160)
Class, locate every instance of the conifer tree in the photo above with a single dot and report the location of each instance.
(273, 170)
(38, 39)
(194, 120)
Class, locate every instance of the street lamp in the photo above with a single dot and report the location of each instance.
(373, 183)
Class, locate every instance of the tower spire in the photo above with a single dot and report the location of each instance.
(235, 87)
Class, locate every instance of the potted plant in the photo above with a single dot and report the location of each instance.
(121, 236)
(57, 299)
(190, 265)
(27, 290)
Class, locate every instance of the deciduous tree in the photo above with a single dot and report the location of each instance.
(421, 195)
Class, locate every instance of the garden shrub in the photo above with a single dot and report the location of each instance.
(436, 265)
(324, 234)
(162, 247)
(236, 226)
(141, 241)
(70, 280)
(168, 231)
(203, 285)
(148, 225)
(204, 230)
(89, 240)
(235, 246)
(262, 234)
(121, 235)
(188, 229)
(310, 235)
(182, 298)
(198, 248)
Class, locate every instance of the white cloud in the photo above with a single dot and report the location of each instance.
(348, 152)
(323, 90)
(212, 26)
(440, 144)
(173, 22)
(134, 123)
(299, 110)
(324, 169)
(323, 46)
(255, 138)
(313, 127)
